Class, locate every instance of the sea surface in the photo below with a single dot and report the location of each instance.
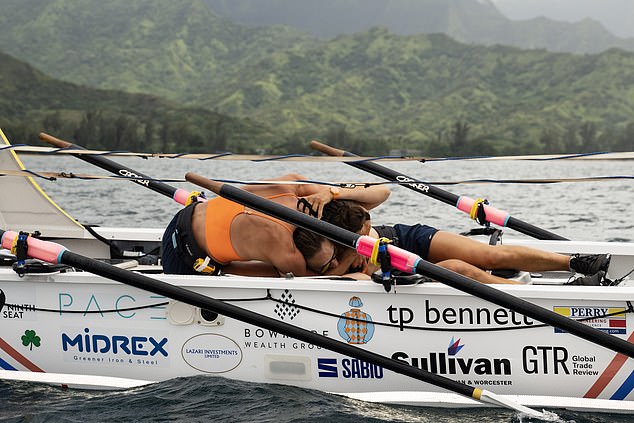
(596, 211)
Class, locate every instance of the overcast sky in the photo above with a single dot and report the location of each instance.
(616, 15)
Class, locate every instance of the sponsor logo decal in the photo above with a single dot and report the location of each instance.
(456, 317)
(30, 339)
(615, 325)
(261, 339)
(287, 309)
(17, 311)
(354, 325)
(136, 178)
(101, 348)
(112, 306)
(450, 363)
(21, 304)
(545, 360)
(454, 347)
(420, 186)
(212, 353)
(557, 360)
(350, 368)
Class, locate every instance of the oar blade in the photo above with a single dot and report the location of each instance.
(500, 401)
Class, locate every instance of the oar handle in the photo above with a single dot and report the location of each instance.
(55, 141)
(177, 194)
(49, 252)
(326, 149)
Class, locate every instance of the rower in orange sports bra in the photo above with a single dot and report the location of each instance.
(207, 237)
(220, 215)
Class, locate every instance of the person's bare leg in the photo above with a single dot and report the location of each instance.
(473, 272)
(446, 246)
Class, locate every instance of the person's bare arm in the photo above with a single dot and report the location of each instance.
(251, 268)
(369, 197)
(320, 195)
(288, 260)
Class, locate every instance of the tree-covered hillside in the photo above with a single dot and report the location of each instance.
(170, 48)
(416, 88)
(32, 102)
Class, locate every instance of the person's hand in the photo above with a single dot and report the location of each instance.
(316, 201)
(350, 261)
(359, 263)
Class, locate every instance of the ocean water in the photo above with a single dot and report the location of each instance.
(214, 399)
(599, 211)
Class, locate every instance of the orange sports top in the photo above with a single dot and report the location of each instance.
(218, 218)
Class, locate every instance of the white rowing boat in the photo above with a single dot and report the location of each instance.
(78, 329)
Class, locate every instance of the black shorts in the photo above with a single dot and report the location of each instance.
(415, 239)
(179, 247)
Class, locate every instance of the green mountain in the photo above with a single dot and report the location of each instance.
(416, 87)
(171, 48)
(468, 21)
(371, 90)
(32, 102)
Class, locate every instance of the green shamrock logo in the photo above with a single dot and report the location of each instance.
(30, 338)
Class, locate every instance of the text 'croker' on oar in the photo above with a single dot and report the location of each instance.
(56, 253)
(466, 204)
(409, 262)
(177, 194)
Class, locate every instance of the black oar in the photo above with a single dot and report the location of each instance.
(493, 215)
(55, 253)
(177, 194)
(411, 263)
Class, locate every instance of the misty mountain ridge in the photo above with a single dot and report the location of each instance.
(617, 16)
(468, 21)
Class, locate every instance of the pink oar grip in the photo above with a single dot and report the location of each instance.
(43, 250)
(181, 196)
(401, 259)
(499, 217)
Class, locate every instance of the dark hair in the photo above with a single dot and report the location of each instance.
(345, 214)
(308, 243)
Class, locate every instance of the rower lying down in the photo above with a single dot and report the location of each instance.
(476, 260)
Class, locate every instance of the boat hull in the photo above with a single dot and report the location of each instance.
(54, 327)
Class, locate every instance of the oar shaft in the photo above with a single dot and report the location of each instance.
(526, 308)
(463, 203)
(177, 194)
(409, 262)
(55, 253)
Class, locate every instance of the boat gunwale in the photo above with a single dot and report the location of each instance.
(564, 293)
